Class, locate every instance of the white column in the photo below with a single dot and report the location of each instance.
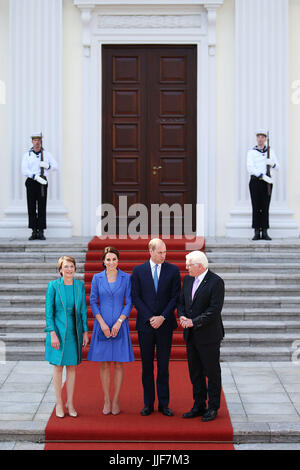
(35, 103)
(262, 101)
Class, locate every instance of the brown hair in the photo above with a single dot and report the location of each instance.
(70, 259)
(110, 249)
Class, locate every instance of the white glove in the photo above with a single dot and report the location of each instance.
(40, 180)
(44, 165)
(267, 179)
(270, 161)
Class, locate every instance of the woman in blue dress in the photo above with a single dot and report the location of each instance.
(67, 330)
(111, 341)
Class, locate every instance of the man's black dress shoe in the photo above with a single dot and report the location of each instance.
(256, 234)
(165, 411)
(147, 410)
(194, 412)
(265, 236)
(210, 415)
(40, 235)
(33, 236)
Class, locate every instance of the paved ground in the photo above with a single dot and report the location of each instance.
(263, 400)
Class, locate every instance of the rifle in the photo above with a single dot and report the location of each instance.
(42, 169)
(268, 173)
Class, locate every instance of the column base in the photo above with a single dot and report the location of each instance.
(282, 224)
(15, 223)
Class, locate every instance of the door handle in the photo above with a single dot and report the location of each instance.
(155, 168)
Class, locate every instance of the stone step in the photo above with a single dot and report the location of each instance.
(37, 326)
(39, 257)
(241, 291)
(230, 301)
(231, 279)
(218, 268)
(229, 354)
(234, 314)
(31, 278)
(34, 268)
(244, 245)
(231, 339)
(270, 301)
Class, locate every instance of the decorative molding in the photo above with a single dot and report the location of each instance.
(150, 21)
(212, 19)
(175, 22)
(86, 17)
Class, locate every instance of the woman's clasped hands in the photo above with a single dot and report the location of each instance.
(110, 333)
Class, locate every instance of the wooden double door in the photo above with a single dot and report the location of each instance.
(149, 151)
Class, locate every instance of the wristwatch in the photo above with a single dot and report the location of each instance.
(120, 320)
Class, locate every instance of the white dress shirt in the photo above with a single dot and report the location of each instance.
(31, 163)
(152, 265)
(257, 161)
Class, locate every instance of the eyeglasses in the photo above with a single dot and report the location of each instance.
(194, 264)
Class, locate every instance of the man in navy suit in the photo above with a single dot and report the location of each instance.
(155, 292)
(199, 309)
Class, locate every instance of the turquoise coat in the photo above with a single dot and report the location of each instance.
(56, 318)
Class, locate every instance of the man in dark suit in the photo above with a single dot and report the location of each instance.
(199, 309)
(155, 293)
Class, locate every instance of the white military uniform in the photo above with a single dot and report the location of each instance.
(257, 162)
(37, 192)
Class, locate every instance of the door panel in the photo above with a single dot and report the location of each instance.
(149, 125)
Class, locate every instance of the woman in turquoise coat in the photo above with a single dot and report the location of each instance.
(67, 330)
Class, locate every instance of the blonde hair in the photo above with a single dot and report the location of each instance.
(154, 242)
(198, 257)
(70, 259)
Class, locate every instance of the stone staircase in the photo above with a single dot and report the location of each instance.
(262, 304)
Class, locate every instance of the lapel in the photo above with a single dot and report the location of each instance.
(104, 281)
(203, 283)
(149, 278)
(76, 292)
(162, 276)
(118, 281)
(61, 292)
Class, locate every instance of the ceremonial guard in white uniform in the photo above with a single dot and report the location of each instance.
(260, 160)
(36, 164)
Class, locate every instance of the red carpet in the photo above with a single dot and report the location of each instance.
(129, 426)
(94, 431)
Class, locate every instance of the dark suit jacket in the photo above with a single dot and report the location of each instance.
(150, 303)
(205, 309)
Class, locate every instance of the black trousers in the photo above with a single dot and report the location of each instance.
(260, 203)
(36, 204)
(162, 340)
(204, 362)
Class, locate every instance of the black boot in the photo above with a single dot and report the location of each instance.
(34, 235)
(256, 234)
(40, 235)
(265, 235)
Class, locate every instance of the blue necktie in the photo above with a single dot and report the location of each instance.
(155, 278)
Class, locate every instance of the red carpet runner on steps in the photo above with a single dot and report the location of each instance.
(130, 431)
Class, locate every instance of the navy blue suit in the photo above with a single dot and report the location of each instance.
(150, 303)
